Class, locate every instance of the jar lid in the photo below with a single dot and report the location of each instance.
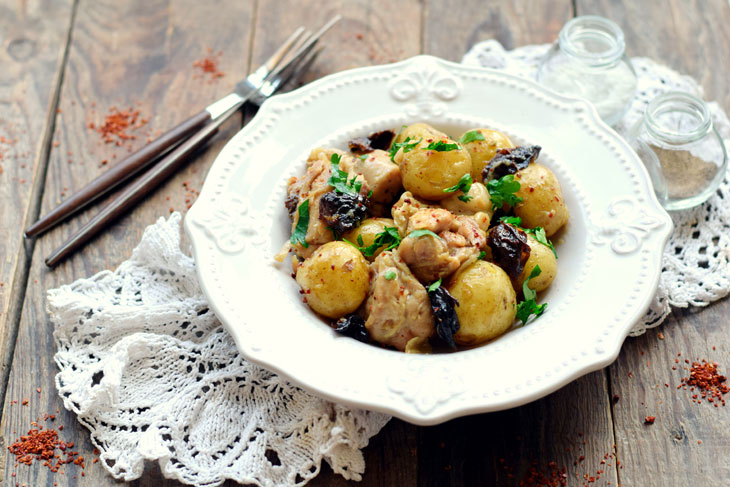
(676, 117)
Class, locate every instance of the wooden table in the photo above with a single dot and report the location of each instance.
(65, 62)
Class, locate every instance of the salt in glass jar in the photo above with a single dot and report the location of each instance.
(589, 60)
(685, 156)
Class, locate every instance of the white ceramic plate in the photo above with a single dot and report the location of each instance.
(610, 253)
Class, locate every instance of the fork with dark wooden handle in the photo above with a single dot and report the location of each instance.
(141, 159)
(169, 164)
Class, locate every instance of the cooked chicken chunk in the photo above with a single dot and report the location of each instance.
(431, 258)
(312, 186)
(397, 306)
(382, 176)
(402, 210)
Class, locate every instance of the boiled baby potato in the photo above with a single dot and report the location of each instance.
(482, 151)
(418, 131)
(427, 172)
(335, 279)
(487, 303)
(368, 230)
(540, 255)
(479, 201)
(542, 199)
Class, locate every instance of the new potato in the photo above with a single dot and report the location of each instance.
(335, 279)
(542, 199)
(540, 255)
(419, 131)
(482, 151)
(368, 230)
(427, 173)
(487, 303)
(479, 202)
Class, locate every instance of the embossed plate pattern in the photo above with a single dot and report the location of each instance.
(610, 252)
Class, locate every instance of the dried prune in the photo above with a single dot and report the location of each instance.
(377, 140)
(509, 161)
(510, 249)
(353, 326)
(443, 305)
(343, 211)
(291, 203)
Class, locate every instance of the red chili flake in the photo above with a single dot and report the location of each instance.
(117, 123)
(38, 390)
(550, 476)
(209, 65)
(660, 335)
(649, 419)
(25, 402)
(616, 398)
(704, 376)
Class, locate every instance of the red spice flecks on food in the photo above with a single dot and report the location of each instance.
(712, 385)
(117, 125)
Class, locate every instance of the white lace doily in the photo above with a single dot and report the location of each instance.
(696, 265)
(151, 372)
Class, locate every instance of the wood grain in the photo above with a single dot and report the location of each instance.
(33, 38)
(691, 37)
(137, 54)
(451, 27)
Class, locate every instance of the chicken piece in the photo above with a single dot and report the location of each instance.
(397, 309)
(312, 186)
(430, 258)
(402, 210)
(382, 176)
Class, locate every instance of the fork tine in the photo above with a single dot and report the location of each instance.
(310, 42)
(278, 56)
(301, 67)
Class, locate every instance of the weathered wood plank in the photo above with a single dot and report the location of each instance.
(129, 54)
(691, 37)
(33, 39)
(451, 27)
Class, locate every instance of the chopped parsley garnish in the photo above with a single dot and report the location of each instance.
(464, 185)
(512, 220)
(370, 193)
(390, 275)
(338, 178)
(434, 286)
(503, 190)
(442, 146)
(539, 234)
(529, 306)
(421, 233)
(389, 236)
(482, 255)
(407, 146)
(300, 231)
(471, 136)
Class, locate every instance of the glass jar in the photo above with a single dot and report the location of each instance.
(677, 142)
(589, 60)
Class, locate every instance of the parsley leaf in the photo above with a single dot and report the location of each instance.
(442, 146)
(406, 145)
(464, 185)
(421, 233)
(370, 193)
(512, 220)
(529, 306)
(434, 286)
(300, 231)
(482, 255)
(503, 190)
(471, 136)
(540, 236)
(338, 178)
(390, 275)
(389, 236)
(363, 157)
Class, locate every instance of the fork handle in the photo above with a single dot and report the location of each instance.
(119, 173)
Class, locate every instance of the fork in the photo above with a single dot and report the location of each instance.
(278, 73)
